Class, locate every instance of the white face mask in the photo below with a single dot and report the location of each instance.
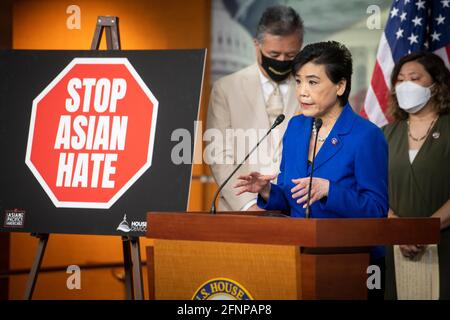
(411, 96)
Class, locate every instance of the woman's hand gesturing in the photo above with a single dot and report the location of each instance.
(255, 183)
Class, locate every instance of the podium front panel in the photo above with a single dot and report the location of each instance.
(180, 269)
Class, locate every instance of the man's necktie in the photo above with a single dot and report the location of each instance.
(274, 103)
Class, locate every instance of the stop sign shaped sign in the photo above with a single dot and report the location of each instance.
(92, 131)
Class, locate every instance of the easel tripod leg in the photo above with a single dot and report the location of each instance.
(32, 277)
(137, 274)
(127, 264)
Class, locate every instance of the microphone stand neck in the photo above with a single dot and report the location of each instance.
(213, 206)
(307, 211)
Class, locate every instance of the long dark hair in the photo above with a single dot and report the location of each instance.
(440, 92)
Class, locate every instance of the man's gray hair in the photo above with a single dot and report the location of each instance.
(279, 21)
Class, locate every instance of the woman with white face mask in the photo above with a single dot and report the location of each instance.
(419, 164)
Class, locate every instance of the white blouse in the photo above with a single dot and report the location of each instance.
(412, 155)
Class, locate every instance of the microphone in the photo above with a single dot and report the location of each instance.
(277, 121)
(318, 125)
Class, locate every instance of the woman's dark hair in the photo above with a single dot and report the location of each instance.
(440, 92)
(336, 58)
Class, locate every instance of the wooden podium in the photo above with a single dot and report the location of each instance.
(271, 257)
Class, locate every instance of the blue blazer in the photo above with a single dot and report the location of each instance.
(354, 158)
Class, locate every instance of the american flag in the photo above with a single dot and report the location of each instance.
(413, 25)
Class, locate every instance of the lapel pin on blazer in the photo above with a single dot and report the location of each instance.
(334, 141)
(436, 135)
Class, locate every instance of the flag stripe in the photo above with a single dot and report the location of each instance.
(380, 87)
(384, 58)
(444, 53)
(448, 56)
(374, 113)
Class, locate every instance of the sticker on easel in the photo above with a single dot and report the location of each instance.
(14, 218)
(136, 226)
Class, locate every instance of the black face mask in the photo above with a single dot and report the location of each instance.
(277, 70)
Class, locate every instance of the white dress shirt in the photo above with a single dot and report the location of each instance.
(267, 88)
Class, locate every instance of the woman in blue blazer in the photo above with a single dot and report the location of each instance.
(350, 178)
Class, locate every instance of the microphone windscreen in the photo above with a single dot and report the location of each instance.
(278, 120)
(318, 123)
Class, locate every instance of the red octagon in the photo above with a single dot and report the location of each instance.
(91, 133)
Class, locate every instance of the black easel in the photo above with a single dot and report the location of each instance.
(110, 24)
(32, 276)
(131, 246)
